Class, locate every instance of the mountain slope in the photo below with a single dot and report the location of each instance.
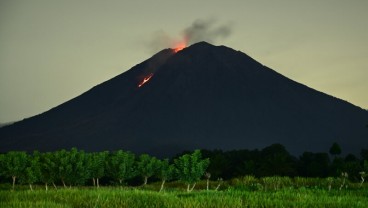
(204, 96)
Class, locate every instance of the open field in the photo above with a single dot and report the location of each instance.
(229, 196)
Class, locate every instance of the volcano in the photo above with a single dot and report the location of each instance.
(203, 96)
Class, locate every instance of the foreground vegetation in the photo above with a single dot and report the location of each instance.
(73, 168)
(240, 178)
(236, 193)
(76, 167)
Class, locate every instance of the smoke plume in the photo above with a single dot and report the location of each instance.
(208, 30)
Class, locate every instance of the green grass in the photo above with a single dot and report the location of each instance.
(149, 197)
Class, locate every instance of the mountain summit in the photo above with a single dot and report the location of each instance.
(203, 96)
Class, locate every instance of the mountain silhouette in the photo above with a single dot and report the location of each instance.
(203, 96)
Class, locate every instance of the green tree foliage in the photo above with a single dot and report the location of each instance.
(72, 168)
(62, 165)
(32, 172)
(48, 168)
(2, 166)
(13, 165)
(147, 166)
(190, 168)
(121, 166)
(77, 169)
(97, 166)
(165, 172)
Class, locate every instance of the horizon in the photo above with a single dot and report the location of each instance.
(54, 51)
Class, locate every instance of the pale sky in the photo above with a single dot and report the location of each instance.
(54, 50)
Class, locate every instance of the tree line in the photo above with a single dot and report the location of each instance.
(76, 167)
(275, 160)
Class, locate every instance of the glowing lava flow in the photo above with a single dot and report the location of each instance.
(179, 47)
(146, 79)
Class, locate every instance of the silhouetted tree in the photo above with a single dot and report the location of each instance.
(352, 166)
(365, 166)
(364, 154)
(335, 149)
(337, 166)
(220, 165)
(313, 164)
(242, 162)
(277, 161)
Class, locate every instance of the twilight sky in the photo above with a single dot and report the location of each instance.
(52, 50)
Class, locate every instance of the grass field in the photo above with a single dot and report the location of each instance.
(230, 196)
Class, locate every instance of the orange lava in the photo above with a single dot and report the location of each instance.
(179, 47)
(146, 79)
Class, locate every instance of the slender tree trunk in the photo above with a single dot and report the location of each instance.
(94, 181)
(188, 190)
(62, 180)
(120, 181)
(145, 180)
(46, 188)
(14, 178)
(30, 186)
(162, 185)
(208, 184)
(98, 183)
(192, 187)
(343, 183)
(218, 186)
(361, 183)
(54, 185)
